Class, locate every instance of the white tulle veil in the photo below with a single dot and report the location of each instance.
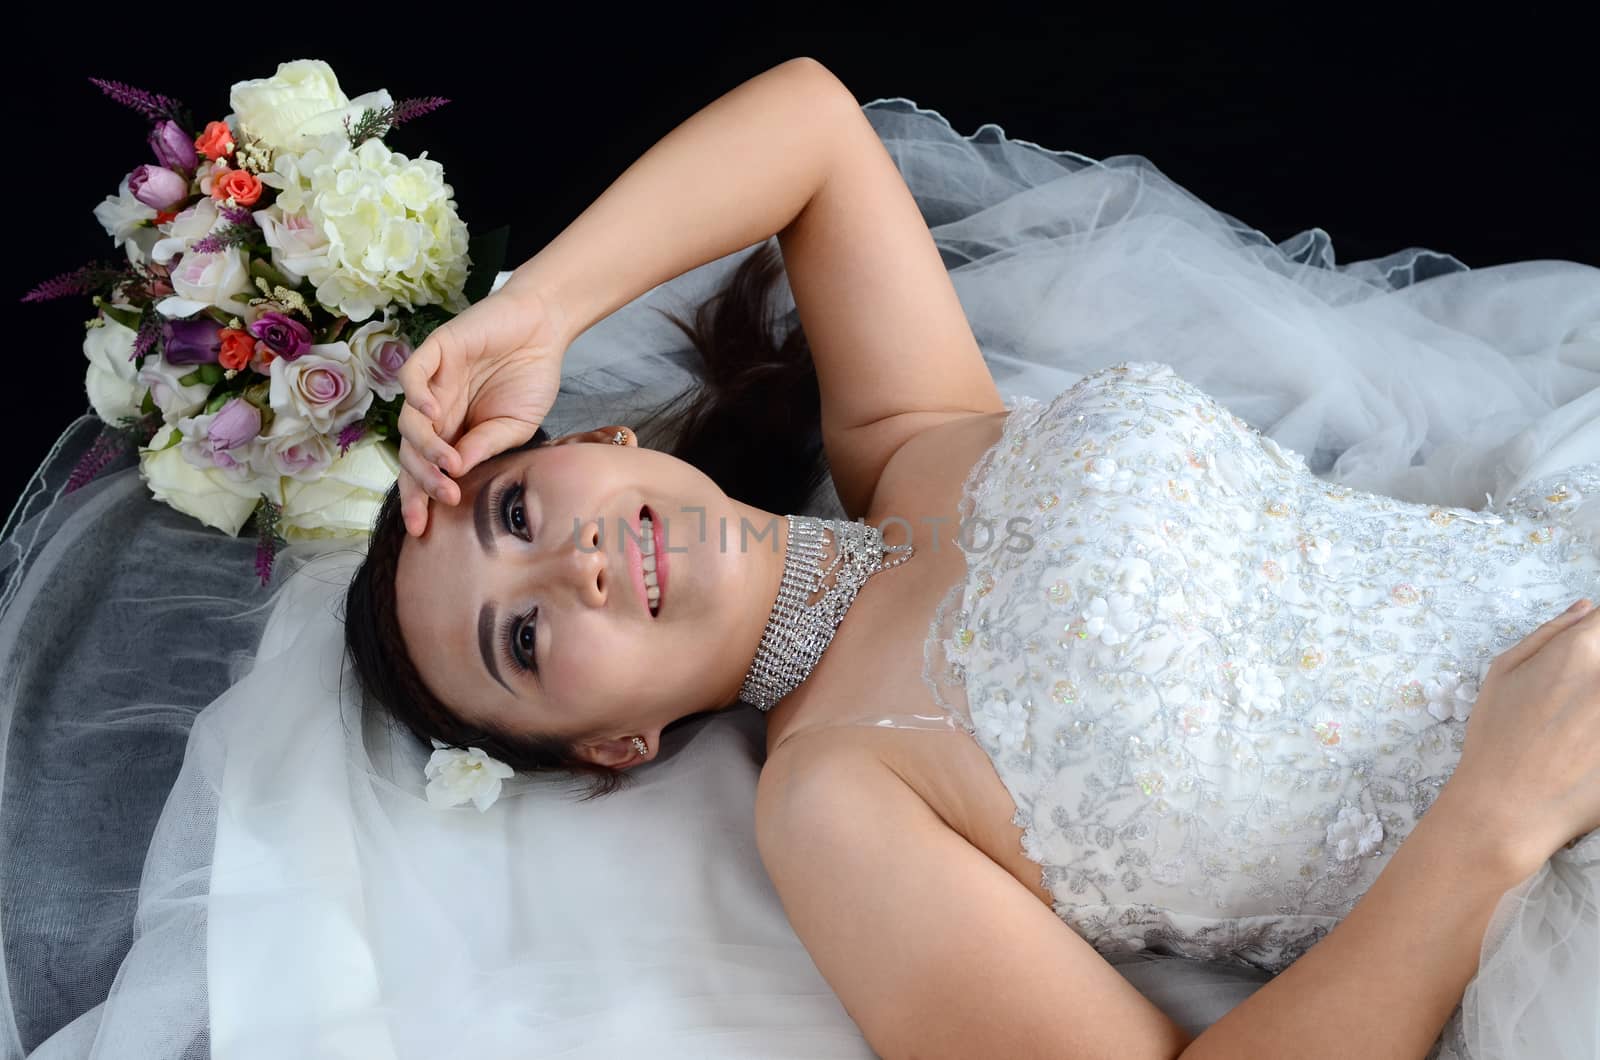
(208, 848)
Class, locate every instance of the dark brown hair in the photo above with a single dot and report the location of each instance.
(752, 423)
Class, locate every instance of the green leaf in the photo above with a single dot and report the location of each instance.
(210, 374)
(260, 266)
(190, 378)
(488, 253)
(126, 317)
(148, 405)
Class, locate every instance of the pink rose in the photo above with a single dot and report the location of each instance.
(323, 388)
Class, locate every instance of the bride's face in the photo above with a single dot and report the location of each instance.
(525, 603)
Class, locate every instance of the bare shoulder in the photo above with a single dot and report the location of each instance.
(933, 948)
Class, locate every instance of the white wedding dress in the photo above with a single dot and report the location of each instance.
(209, 849)
(1222, 691)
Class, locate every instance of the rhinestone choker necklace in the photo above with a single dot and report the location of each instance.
(797, 632)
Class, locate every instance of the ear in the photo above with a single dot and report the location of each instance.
(600, 435)
(621, 752)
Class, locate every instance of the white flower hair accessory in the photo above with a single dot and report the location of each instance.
(456, 776)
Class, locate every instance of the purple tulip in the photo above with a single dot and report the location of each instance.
(235, 423)
(191, 341)
(284, 335)
(174, 148)
(158, 187)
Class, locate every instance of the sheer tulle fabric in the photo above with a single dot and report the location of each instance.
(210, 849)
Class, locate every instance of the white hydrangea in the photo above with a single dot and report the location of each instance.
(1450, 696)
(456, 776)
(1004, 723)
(1354, 834)
(390, 221)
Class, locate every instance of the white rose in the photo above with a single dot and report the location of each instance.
(221, 279)
(380, 352)
(344, 502)
(121, 214)
(174, 399)
(456, 776)
(113, 379)
(299, 103)
(212, 498)
(298, 245)
(295, 449)
(190, 226)
(324, 387)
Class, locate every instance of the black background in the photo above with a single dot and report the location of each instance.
(1473, 136)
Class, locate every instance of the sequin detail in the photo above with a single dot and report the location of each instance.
(1220, 690)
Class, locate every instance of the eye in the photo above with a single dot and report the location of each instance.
(521, 634)
(512, 514)
(520, 639)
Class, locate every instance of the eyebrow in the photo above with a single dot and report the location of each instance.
(485, 530)
(486, 644)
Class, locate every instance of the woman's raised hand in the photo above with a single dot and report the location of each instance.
(480, 384)
(1530, 766)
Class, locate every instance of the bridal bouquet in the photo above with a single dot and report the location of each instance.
(282, 264)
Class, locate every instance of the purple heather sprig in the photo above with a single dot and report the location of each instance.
(378, 123)
(238, 215)
(86, 279)
(223, 238)
(109, 444)
(350, 435)
(269, 537)
(145, 339)
(152, 105)
(239, 231)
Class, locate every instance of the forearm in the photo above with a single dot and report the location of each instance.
(734, 173)
(1383, 982)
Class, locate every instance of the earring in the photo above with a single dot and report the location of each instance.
(640, 746)
(620, 438)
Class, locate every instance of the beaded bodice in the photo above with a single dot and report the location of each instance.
(1220, 689)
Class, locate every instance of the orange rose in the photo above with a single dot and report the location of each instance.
(245, 188)
(237, 346)
(216, 141)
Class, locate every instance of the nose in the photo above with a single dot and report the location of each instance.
(576, 562)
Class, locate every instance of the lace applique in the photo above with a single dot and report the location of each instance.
(1220, 690)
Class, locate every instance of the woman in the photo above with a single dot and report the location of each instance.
(1197, 699)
